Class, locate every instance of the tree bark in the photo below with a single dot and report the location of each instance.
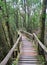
(24, 23)
(42, 34)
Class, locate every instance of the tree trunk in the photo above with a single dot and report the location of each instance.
(16, 15)
(24, 23)
(43, 16)
(8, 27)
(28, 28)
(4, 46)
(4, 43)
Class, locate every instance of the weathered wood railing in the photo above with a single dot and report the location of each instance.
(27, 34)
(5, 60)
(41, 45)
(37, 42)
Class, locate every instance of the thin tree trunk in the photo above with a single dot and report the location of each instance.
(24, 23)
(42, 34)
(8, 27)
(43, 16)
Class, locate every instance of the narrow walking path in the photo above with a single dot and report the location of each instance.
(28, 53)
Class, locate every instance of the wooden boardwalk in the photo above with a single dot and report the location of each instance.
(28, 53)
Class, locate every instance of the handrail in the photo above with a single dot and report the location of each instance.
(4, 62)
(40, 43)
(27, 33)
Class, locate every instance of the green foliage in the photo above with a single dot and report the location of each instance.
(17, 14)
(41, 58)
(7, 13)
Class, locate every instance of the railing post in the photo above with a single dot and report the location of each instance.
(35, 42)
(19, 45)
(39, 50)
(33, 38)
(15, 53)
(45, 58)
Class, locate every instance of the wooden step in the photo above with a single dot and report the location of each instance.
(23, 62)
(28, 64)
(29, 59)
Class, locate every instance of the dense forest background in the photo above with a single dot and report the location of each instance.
(28, 15)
